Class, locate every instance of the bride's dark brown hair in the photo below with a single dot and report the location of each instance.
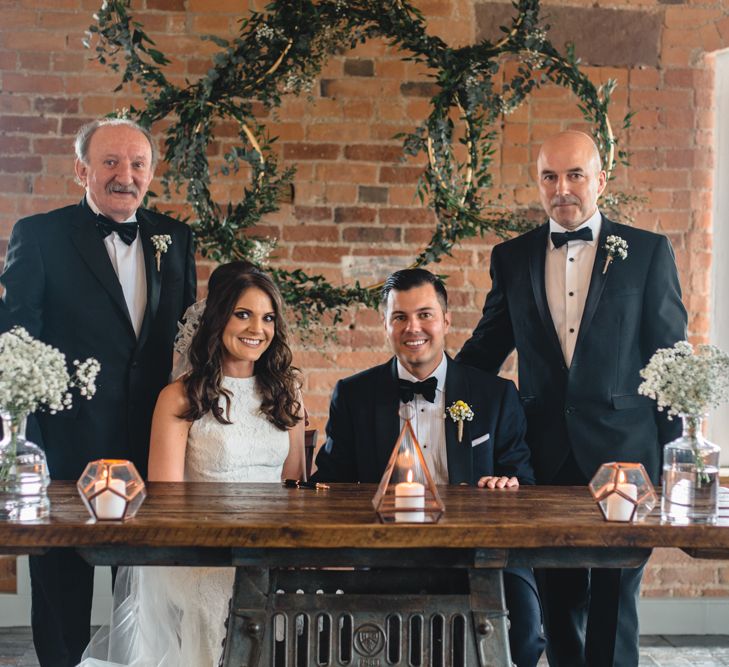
(277, 380)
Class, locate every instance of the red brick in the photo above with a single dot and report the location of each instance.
(28, 164)
(55, 105)
(53, 146)
(309, 232)
(14, 183)
(318, 213)
(315, 151)
(373, 152)
(411, 216)
(373, 234)
(167, 5)
(323, 254)
(355, 214)
(400, 174)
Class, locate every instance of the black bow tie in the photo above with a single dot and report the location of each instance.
(560, 238)
(127, 230)
(426, 389)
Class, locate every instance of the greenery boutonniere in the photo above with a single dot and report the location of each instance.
(615, 245)
(459, 412)
(160, 242)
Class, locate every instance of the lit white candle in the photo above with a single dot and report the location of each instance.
(107, 504)
(411, 495)
(619, 508)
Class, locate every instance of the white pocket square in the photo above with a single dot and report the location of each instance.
(478, 441)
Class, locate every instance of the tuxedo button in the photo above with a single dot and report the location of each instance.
(135, 364)
(572, 293)
(569, 410)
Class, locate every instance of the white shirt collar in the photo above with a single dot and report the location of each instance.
(95, 209)
(594, 222)
(439, 373)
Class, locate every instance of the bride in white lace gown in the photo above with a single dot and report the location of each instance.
(236, 416)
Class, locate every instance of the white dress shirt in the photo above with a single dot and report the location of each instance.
(567, 273)
(429, 422)
(128, 263)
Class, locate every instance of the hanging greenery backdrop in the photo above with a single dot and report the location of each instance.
(281, 51)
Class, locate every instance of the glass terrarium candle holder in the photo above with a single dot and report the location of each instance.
(407, 493)
(111, 489)
(623, 491)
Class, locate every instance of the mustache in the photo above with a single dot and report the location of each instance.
(118, 187)
(561, 200)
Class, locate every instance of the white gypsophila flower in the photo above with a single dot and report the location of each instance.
(684, 381)
(264, 32)
(33, 375)
(261, 249)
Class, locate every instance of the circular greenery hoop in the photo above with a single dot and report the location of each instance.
(281, 51)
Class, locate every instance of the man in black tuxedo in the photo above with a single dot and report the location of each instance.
(583, 324)
(364, 424)
(89, 280)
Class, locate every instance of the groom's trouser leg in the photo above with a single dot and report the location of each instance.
(526, 640)
(62, 585)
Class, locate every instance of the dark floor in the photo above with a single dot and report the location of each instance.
(16, 650)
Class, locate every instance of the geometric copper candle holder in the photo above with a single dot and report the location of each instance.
(623, 491)
(407, 493)
(111, 489)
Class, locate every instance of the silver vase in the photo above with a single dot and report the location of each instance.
(24, 475)
(690, 477)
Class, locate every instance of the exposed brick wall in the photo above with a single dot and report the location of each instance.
(353, 198)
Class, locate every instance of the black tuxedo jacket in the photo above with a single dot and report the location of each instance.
(593, 407)
(61, 286)
(364, 425)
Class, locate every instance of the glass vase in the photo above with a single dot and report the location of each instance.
(690, 477)
(24, 475)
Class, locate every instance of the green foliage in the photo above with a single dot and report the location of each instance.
(282, 51)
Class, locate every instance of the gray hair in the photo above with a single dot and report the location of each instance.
(83, 136)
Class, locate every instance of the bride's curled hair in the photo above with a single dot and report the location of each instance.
(277, 381)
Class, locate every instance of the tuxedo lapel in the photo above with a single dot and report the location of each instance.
(147, 228)
(90, 246)
(387, 418)
(459, 454)
(537, 258)
(597, 281)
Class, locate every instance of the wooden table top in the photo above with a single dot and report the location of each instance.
(261, 516)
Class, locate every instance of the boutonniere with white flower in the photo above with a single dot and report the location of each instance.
(459, 412)
(616, 246)
(160, 242)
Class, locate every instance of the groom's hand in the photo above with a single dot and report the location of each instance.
(492, 482)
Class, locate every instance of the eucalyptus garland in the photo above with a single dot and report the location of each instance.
(281, 51)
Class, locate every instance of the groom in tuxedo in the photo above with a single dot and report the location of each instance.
(584, 321)
(364, 424)
(90, 280)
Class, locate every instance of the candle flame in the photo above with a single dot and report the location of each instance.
(410, 476)
(621, 477)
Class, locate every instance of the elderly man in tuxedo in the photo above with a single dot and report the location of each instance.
(364, 424)
(584, 321)
(108, 279)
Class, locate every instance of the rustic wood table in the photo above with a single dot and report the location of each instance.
(320, 581)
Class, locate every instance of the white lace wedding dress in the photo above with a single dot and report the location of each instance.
(175, 616)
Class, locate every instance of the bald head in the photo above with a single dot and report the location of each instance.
(570, 177)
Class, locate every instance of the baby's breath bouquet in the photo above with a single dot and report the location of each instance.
(688, 382)
(34, 376)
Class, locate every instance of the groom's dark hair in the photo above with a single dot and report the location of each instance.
(406, 279)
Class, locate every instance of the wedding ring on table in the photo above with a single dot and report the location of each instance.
(299, 484)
